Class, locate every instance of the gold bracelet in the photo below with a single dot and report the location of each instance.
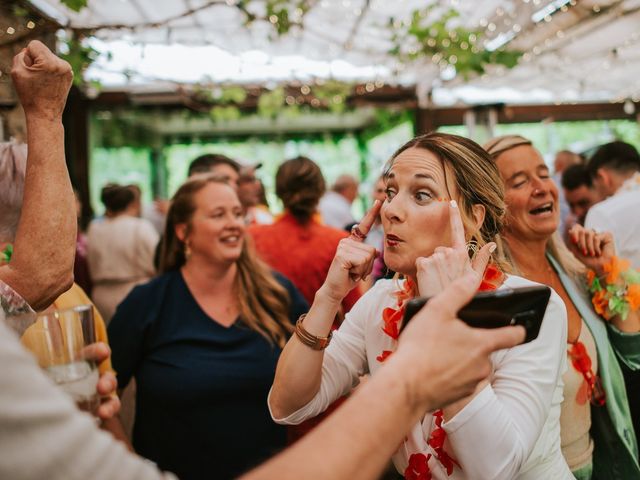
(312, 341)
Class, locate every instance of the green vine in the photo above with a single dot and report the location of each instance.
(333, 94)
(270, 103)
(75, 5)
(445, 45)
(80, 56)
(281, 14)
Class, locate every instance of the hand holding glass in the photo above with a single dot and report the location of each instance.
(59, 340)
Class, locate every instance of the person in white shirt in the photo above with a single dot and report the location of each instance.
(335, 205)
(562, 161)
(442, 191)
(615, 170)
(579, 192)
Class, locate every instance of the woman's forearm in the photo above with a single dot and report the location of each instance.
(299, 371)
(630, 325)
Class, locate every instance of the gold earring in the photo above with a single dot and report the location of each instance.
(187, 251)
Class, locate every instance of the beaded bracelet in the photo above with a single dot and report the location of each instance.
(617, 292)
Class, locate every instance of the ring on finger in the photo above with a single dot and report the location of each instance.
(357, 233)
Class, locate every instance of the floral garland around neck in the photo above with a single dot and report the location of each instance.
(418, 468)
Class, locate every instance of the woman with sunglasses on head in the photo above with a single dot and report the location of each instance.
(597, 434)
(443, 194)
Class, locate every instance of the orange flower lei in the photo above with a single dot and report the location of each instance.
(418, 468)
(617, 292)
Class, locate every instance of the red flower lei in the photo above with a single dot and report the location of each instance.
(418, 468)
(582, 363)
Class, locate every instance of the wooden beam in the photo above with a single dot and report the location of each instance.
(76, 144)
(427, 120)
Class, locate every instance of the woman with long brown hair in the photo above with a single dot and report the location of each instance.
(202, 341)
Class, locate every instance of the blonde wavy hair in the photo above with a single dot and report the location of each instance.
(477, 180)
(262, 301)
(555, 248)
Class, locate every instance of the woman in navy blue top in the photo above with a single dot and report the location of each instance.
(202, 341)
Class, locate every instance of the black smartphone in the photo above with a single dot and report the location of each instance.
(499, 308)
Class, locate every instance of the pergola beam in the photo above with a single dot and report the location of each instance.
(431, 119)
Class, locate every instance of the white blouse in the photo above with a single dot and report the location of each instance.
(510, 430)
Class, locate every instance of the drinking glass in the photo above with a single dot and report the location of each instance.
(59, 340)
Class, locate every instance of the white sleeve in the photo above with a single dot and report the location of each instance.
(597, 219)
(495, 433)
(343, 364)
(43, 435)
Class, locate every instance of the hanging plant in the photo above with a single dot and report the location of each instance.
(80, 56)
(75, 5)
(445, 45)
(281, 14)
(270, 103)
(225, 113)
(333, 94)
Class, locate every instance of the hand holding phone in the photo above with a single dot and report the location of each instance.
(524, 306)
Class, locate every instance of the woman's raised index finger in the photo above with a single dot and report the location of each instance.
(457, 228)
(369, 218)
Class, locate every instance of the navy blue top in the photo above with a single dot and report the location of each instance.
(201, 402)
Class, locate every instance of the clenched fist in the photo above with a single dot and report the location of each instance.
(42, 81)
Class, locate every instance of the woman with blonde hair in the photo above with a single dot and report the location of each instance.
(596, 430)
(202, 341)
(443, 197)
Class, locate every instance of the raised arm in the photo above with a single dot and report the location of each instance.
(299, 372)
(41, 267)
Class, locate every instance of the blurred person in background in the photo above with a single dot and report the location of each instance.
(221, 165)
(202, 341)
(299, 246)
(579, 191)
(335, 205)
(81, 274)
(251, 192)
(596, 430)
(121, 248)
(615, 171)
(563, 160)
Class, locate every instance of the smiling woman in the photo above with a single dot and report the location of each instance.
(202, 341)
(442, 191)
(597, 436)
